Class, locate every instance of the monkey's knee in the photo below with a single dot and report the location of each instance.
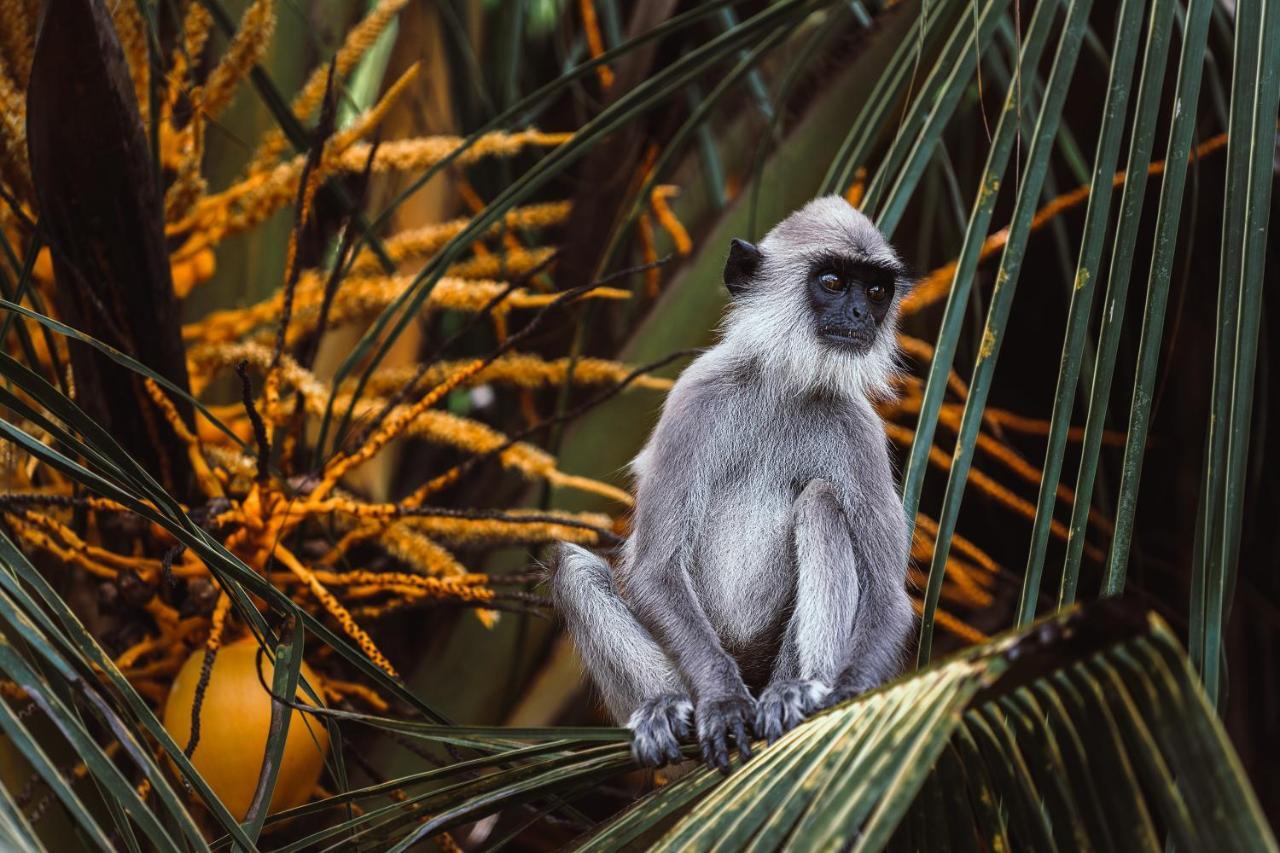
(818, 496)
(817, 513)
(820, 535)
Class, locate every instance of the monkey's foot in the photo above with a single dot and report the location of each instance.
(658, 726)
(719, 720)
(785, 704)
(851, 683)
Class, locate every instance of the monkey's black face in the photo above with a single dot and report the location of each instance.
(850, 300)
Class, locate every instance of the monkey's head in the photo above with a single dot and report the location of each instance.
(817, 300)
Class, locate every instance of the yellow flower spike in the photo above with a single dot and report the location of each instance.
(143, 647)
(105, 504)
(511, 263)
(400, 155)
(193, 271)
(463, 595)
(261, 194)
(523, 299)
(13, 134)
(658, 201)
(988, 486)
(187, 268)
(335, 609)
(595, 42)
(937, 284)
(341, 145)
(17, 38)
(950, 623)
(524, 370)
(961, 545)
(208, 483)
(99, 561)
(432, 425)
(196, 25)
(246, 50)
(360, 298)
(338, 690)
(414, 549)
(494, 531)
(853, 195)
(187, 154)
(426, 241)
(41, 541)
(133, 33)
(428, 585)
(393, 427)
(649, 254)
(357, 42)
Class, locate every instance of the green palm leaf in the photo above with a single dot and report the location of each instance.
(1088, 731)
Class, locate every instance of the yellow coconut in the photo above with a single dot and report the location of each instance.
(234, 718)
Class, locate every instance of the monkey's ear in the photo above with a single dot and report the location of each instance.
(741, 267)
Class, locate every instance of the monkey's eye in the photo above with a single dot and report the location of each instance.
(831, 282)
(877, 292)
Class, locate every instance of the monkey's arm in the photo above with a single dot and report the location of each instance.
(672, 500)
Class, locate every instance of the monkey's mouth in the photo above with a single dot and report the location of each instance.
(856, 340)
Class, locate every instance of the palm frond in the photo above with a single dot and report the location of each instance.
(1087, 731)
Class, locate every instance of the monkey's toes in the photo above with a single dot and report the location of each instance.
(721, 720)
(784, 705)
(657, 727)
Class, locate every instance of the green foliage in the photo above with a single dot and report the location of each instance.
(1087, 732)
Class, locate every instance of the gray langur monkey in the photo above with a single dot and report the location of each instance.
(768, 549)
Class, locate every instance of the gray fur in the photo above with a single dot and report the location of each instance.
(768, 545)
(627, 664)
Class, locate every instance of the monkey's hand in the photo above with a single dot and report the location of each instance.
(785, 704)
(657, 727)
(719, 719)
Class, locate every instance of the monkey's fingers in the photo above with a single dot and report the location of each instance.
(740, 737)
(646, 751)
(673, 752)
(653, 745)
(657, 727)
(715, 749)
(681, 721)
(720, 719)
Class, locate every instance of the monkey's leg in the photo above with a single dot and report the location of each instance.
(817, 643)
(638, 681)
(881, 635)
